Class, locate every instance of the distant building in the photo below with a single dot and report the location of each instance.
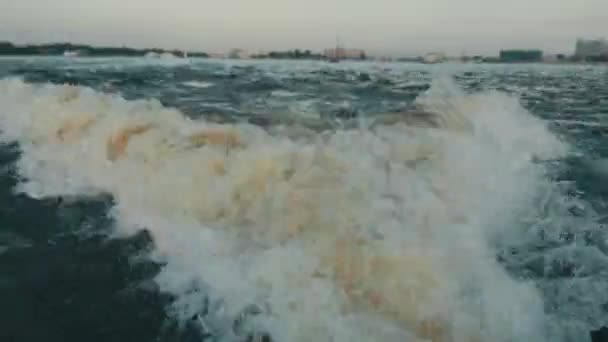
(217, 55)
(513, 56)
(590, 49)
(259, 54)
(342, 53)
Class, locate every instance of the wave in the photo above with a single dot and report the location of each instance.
(382, 231)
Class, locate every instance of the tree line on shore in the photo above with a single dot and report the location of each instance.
(59, 49)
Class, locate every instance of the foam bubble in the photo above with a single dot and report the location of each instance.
(361, 234)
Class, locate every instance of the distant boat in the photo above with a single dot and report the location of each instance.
(433, 58)
(167, 55)
(71, 54)
(163, 55)
(152, 55)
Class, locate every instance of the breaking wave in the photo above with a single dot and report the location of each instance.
(381, 232)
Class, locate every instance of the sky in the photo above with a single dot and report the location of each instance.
(382, 27)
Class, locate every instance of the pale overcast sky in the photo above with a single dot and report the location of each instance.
(380, 26)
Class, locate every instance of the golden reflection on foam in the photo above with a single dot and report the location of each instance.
(401, 287)
(242, 180)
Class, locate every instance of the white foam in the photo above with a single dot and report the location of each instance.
(358, 235)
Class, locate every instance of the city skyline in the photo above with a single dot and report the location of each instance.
(382, 27)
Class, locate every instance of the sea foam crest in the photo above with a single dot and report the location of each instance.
(379, 233)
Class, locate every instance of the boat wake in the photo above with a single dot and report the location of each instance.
(382, 232)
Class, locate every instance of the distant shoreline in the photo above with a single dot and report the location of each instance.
(83, 50)
(8, 49)
(582, 63)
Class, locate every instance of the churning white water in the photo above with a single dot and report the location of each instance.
(379, 233)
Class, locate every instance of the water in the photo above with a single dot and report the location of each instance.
(191, 200)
